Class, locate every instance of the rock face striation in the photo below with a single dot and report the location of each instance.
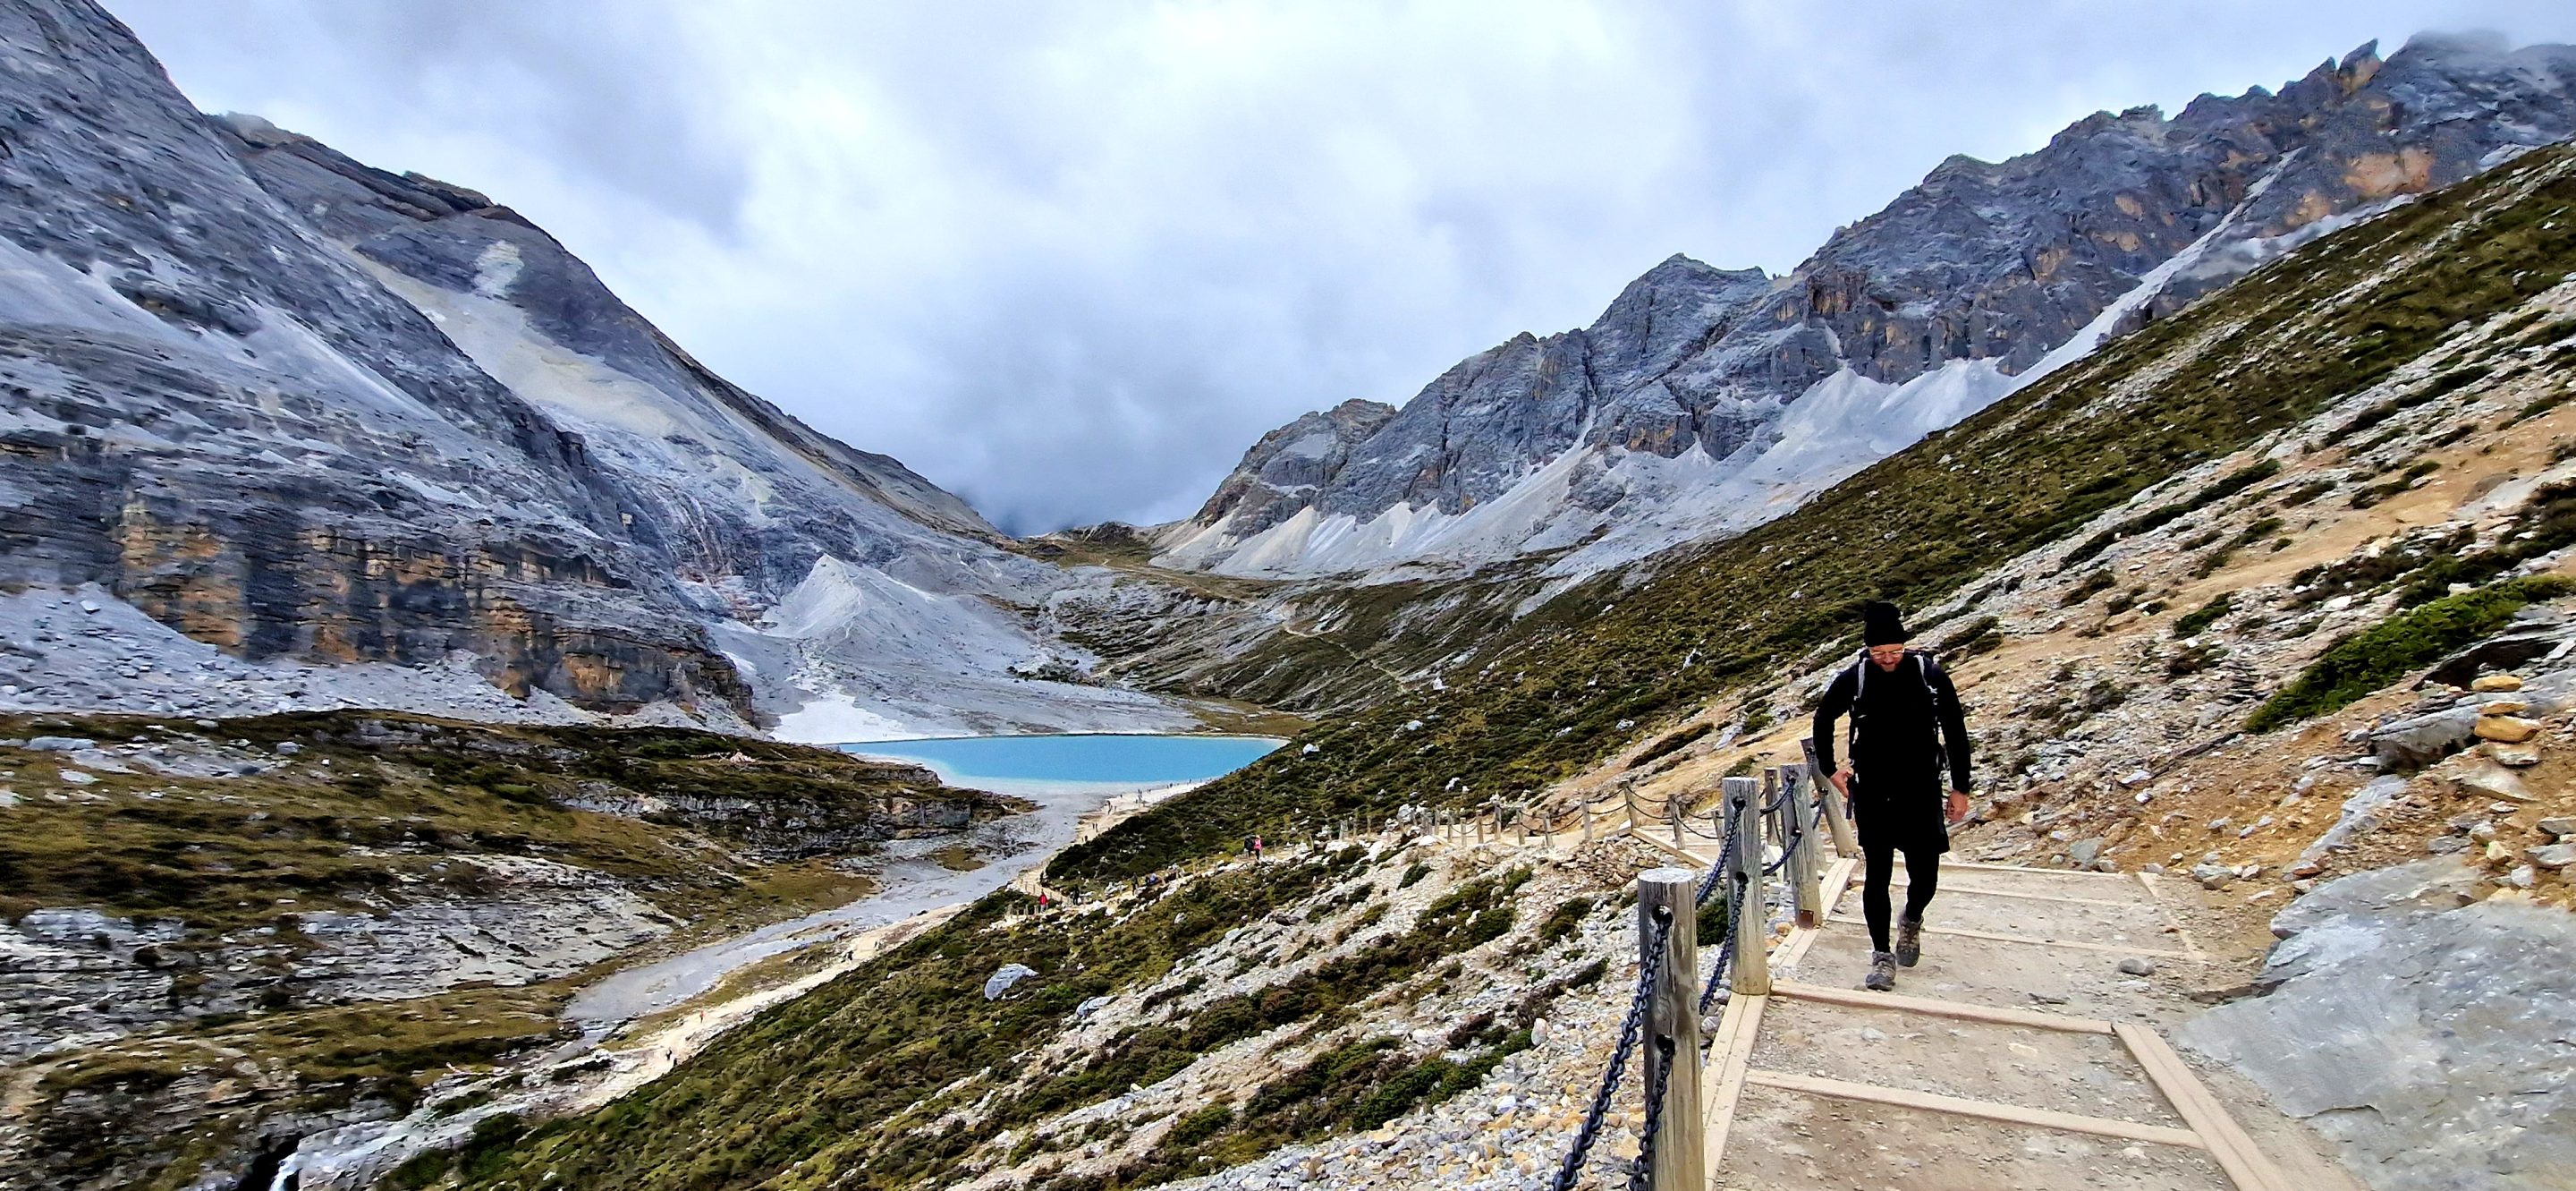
(1706, 400)
(293, 406)
(2415, 1024)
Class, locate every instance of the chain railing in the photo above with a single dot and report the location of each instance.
(1647, 973)
(1798, 805)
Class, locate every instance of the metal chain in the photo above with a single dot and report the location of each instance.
(1716, 872)
(1569, 1172)
(1725, 949)
(1637, 1173)
(1648, 971)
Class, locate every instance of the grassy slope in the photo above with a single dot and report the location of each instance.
(231, 857)
(219, 853)
(1556, 687)
(879, 1060)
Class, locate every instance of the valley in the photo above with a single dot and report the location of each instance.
(451, 738)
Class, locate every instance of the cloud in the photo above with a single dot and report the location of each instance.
(1071, 259)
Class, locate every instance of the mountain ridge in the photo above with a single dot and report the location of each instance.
(1902, 322)
(308, 410)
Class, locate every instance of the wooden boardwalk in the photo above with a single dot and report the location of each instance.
(2016, 1055)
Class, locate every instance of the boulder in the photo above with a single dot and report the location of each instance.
(2420, 740)
(2421, 1029)
(2510, 729)
(1004, 977)
(2489, 780)
(2515, 756)
(2360, 814)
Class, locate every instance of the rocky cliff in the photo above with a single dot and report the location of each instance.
(295, 407)
(1705, 400)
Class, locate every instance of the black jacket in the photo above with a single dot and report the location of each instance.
(1906, 725)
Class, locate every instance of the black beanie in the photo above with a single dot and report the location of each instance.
(1881, 624)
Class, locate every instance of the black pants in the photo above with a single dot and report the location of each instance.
(1922, 878)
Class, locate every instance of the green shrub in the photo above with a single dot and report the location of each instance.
(1199, 1126)
(2190, 624)
(1708, 926)
(1563, 919)
(2096, 582)
(2411, 640)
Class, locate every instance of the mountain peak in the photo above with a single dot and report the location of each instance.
(1704, 400)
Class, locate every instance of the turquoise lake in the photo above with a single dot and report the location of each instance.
(1104, 759)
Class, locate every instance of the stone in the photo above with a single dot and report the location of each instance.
(2509, 729)
(2496, 682)
(60, 744)
(2506, 706)
(2446, 845)
(2552, 856)
(78, 778)
(1004, 977)
(2557, 825)
(2359, 815)
(2083, 851)
(2423, 739)
(2138, 965)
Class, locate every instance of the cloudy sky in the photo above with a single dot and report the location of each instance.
(1069, 259)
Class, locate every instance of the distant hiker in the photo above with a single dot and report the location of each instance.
(1903, 712)
(1256, 849)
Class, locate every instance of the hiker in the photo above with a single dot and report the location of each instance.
(1256, 849)
(1906, 729)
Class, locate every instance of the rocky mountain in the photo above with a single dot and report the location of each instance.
(305, 410)
(1704, 401)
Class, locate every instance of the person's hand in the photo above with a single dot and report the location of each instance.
(1958, 806)
(1842, 780)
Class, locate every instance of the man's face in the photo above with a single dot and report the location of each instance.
(1887, 656)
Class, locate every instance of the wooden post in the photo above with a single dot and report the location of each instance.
(1771, 819)
(1672, 1026)
(1752, 973)
(1806, 863)
(1629, 797)
(1836, 818)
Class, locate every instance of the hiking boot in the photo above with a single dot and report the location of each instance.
(1909, 941)
(1882, 972)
